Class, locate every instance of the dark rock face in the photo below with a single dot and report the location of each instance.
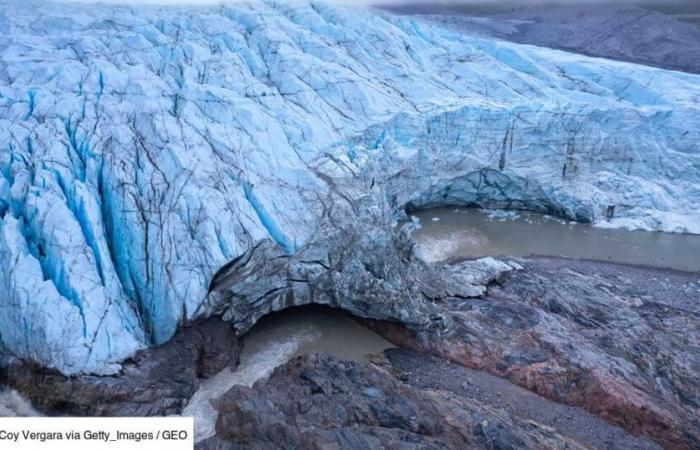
(318, 401)
(621, 341)
(423, 372)
(363, 268)
(156, 381)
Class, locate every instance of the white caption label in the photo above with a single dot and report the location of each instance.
(109, 433)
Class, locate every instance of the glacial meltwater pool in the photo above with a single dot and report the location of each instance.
(453, 233)
(275, 339)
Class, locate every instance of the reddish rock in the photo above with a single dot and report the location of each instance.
(621, 341)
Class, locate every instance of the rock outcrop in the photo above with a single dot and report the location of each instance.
(430, 373)
(317, 401)
(156, 381)
(621, 341)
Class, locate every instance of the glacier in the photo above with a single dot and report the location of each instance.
(144, 148)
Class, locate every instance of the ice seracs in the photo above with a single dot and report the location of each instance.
(144, 148)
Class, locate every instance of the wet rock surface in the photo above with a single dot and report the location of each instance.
(621, 341)
(319, 401)
(156, 381)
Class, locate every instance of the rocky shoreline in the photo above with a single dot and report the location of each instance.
(618, 344)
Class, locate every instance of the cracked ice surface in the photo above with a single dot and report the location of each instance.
(143, 148)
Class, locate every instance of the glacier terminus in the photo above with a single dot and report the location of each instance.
(146, 149)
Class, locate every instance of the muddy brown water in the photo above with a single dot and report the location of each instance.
(453, 233)
(274, 340)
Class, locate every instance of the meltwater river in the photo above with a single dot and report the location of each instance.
(452, 233)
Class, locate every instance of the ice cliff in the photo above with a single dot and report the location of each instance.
(144, 148)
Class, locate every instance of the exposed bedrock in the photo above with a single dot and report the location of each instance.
(155, 381)
(403, 399)
(318, 401)
(621, 341)
(422, 371)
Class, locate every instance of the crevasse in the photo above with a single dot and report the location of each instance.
(143, 148)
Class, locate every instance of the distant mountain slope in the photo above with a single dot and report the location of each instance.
(624, 33)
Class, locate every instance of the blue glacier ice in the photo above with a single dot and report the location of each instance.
(144, 147)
